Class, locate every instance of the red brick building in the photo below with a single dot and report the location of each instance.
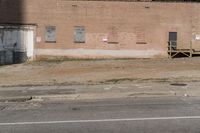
(98, 29)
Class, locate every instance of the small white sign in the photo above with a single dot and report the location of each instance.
(38, 39)
(197, 37)
(104, 39)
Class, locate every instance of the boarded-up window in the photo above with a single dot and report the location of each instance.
(140, 35)
(79, 34)
(50, 34)
(113, 35)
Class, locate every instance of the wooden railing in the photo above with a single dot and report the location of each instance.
(173, 51)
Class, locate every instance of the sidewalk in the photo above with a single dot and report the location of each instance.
(99, 92)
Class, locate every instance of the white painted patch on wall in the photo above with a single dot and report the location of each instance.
(197, 37)
(30, 43)
(94, 53)
(38, 39)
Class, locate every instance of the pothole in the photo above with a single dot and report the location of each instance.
(16, 99)
(178, 84)
(2, 108)
(75, 109)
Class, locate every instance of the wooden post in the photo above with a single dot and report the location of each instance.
(170, 49)
(191, 51)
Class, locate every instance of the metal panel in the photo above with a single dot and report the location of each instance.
(50, 34)
(16, 44)
(12, 40)
(1, 39)
(79, 36)
(173, 40)
(172, 36)
(9, 57)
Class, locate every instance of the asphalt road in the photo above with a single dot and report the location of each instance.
(138, 115)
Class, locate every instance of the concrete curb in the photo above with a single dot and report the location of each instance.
(92, 96)
(101, 96)
(98, 96)
(83, 96)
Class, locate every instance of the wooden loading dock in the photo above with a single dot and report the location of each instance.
(173, 52)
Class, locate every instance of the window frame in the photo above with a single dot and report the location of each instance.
(46, 34)
(77, 41)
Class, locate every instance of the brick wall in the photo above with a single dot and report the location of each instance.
(121, 27)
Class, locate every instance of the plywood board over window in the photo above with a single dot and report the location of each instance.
(113, 35)
(50, 34)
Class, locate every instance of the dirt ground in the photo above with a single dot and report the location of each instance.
(100, 71)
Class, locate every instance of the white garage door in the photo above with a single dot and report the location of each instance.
(17, 39)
